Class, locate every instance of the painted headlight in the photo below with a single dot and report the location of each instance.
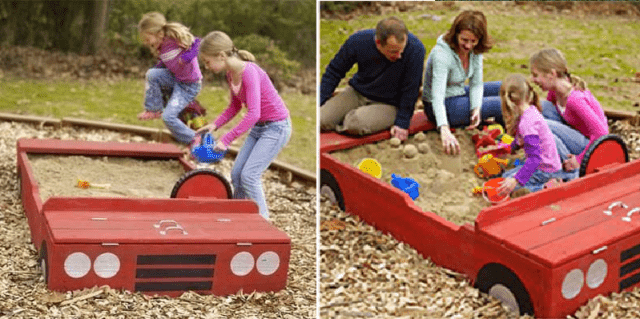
(268, 263)
(572, 283)
(77, 265)
(597, 273)
(242, 263)
(106, 265)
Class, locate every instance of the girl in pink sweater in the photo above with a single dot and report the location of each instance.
(573, 114)
(267, 117)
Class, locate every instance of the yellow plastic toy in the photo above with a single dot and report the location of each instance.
(86, 184)
(371, 167)
(506, 138)
(495, 126)
(488, 165)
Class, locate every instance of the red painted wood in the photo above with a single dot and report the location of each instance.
(331, 141)
(125, 227)
(88, 148)
(511, 234)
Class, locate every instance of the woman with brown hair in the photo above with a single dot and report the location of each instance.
(456, 57)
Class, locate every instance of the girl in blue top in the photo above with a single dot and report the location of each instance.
(456, 57)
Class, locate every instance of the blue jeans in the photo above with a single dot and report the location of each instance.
(539, 178)
(260, 148)
(161, 79)
(568, 140)
(459, 107)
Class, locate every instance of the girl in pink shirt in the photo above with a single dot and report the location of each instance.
(267, 117)
(523, 120)
(573, 114)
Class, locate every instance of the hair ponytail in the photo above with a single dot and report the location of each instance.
(577, 82)
(216, 42)
(180, 33)
(549, 59)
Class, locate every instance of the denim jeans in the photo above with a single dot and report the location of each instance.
(161, 79)
(260, 148)
(459, 107)
(539, 178)
(568, 140)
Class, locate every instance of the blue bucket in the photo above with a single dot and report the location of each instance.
(204, 152)
(407, 185)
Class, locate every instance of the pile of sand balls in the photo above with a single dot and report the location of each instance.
(410, 150)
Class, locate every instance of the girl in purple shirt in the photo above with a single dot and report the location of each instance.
(523, 120)
(177, 72)
(267, 117)
(573, 114)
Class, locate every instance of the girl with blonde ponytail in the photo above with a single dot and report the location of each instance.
(573, 114)
(267, 118)
(177, 71)
(522, 114)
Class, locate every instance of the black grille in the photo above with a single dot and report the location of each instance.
(629, 267)
(177, 267)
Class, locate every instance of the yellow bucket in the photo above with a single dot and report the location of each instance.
(371, 167)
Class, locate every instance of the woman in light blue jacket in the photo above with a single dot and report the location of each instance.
(456, 57)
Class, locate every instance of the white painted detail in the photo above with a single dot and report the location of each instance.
(77, 265)
(328, 192)
(106, 265)
(268, 263)
(572, 284)
(507, 297)
(242, 263)
(597, 273)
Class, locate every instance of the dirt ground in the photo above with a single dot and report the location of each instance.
(109, 176)
(446, 181)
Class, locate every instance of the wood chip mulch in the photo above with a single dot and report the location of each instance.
(23, 293)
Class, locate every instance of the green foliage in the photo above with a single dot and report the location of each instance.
(339, 6)
(289, 24)
(274, 60)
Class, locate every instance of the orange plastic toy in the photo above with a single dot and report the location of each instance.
(488, 166)
(490, 191)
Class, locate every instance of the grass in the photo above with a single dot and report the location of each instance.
(120, 102)
(600, 49)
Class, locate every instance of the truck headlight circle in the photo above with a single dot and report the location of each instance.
(597, 273)
(268, 263)
(106, 265)
(77, 265)
(242, 263)
(572, 284)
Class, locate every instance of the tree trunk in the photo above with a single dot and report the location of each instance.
(95, 21)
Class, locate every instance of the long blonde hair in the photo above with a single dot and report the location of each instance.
(154, 22)
(515, 90)
(549, 59)
(216, 42)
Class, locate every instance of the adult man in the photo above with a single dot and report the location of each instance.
(383, 92)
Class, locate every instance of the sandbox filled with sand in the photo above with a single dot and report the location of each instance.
(58, 175)
(446, 181)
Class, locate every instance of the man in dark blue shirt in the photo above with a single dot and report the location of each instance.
(383, 92)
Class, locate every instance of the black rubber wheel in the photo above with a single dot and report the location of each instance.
(607, 149)
(44, 262)
(330, 188)
(500, 282)
(202, 182)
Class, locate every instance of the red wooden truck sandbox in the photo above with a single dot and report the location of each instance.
(546, 253)
(198, 239)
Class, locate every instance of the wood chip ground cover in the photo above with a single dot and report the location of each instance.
(23, 293)
(367, 274)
